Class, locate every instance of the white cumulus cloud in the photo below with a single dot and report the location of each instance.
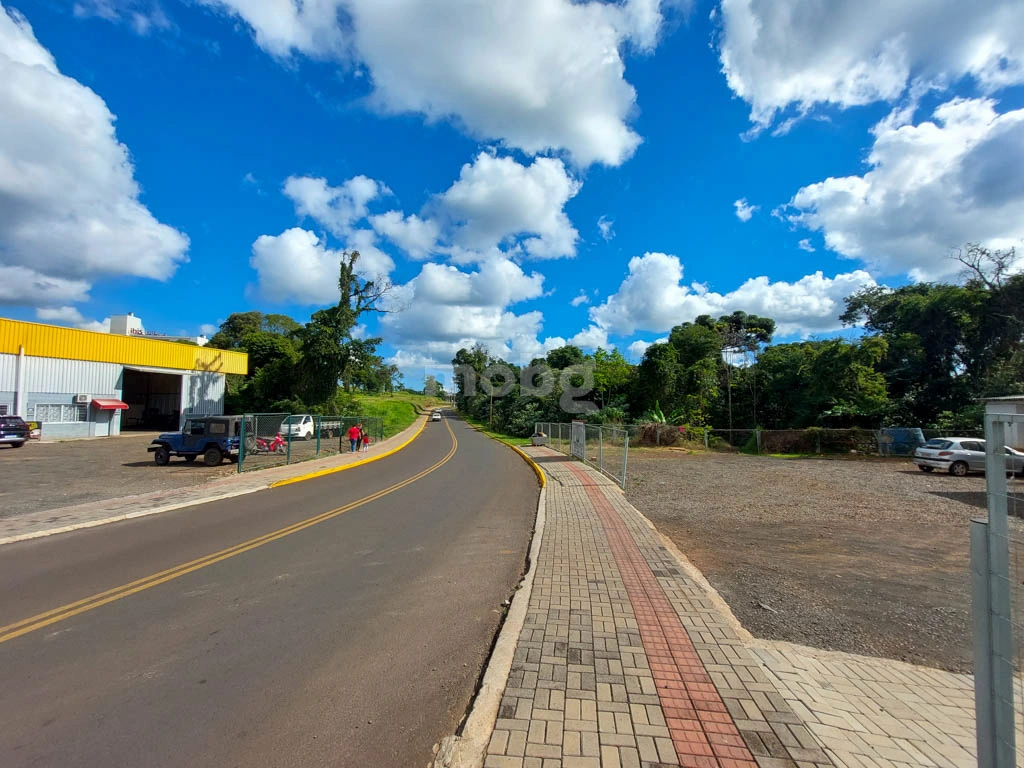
(535, 75)
(69, 203)
(930, 188)
(654, 298)
(582, 298)
(417, 237)
(298, 266)
(639, 347)
(591, 338)
(445, 307)
(744, 210)
(336, 208)
(496, 199)
(798, 53)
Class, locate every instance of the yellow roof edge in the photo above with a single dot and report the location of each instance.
(56, 341)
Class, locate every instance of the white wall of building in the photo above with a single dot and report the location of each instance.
(53, 382)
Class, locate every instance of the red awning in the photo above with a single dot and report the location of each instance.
(109, 405)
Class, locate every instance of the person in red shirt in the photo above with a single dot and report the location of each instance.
(355, 434)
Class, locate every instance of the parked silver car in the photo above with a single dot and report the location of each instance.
(960, 455)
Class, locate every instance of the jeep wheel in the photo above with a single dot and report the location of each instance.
(190, 459)
(212, 457)
(162, 456)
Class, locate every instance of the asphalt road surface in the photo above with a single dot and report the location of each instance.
(341, 621)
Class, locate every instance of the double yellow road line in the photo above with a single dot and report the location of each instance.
(55, 615)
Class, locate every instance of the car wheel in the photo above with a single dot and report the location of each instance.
(925, 469)
(212, 457)
(308, 436)
(190, 459)
(958, 468)
(162, 457)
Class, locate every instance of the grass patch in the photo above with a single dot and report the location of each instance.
(398, 412)
(518, 442)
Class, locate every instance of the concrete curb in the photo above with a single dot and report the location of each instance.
(467, 750)
(170, 507)
(343, 467)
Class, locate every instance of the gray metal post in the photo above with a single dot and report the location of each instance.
(600, 448)
(1001, 629)
(981, 610)
(757, 432)
(625, 460)
(241, 445)
(706, 447)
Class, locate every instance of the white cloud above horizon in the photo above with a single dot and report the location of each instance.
(653, 298)
(567, 90)
(744, 210)
(797, 54)
(930, 188)
(69, 203)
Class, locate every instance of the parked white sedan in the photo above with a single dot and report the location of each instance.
(960, 455)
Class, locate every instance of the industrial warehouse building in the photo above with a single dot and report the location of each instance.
(78, 383)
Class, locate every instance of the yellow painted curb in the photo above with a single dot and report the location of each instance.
(526, 457)
(343, 467)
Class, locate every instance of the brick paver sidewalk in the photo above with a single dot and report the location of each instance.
(624, 660)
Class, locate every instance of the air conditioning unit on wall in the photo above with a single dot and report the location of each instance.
(82, 399)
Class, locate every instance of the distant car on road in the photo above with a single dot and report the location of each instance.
(435, 416)
(215, 438)
(13, 431)
(960, 455)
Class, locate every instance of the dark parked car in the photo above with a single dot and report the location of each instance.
(215, 438)
(13, 431)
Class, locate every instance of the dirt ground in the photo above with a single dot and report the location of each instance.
(865, 556)
(44, 475)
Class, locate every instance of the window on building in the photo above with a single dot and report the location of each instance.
(3, 409)
(61, 414)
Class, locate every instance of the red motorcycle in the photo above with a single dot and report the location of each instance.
(277, 445)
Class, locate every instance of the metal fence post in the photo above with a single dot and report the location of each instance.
(1001, 651)
(981, 610)
(319, 426)
(288, 456)
(706, 443)
(757, 433)
(600, 448)
(241, 446)
(625, 459)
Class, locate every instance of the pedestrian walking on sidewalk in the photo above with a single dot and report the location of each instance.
(366, 441)
(355, 436)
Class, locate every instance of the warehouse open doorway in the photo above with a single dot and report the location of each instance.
(153, 399)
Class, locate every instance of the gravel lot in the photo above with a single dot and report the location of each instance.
(865, 556)
(45, 475)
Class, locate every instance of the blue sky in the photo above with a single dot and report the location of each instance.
(526, 172)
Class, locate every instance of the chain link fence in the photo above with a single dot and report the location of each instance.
(604, 448)
(897, 441)
(273, 439)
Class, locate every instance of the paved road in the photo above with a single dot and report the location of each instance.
(356, 640)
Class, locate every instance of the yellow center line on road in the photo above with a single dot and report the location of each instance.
(45, 619)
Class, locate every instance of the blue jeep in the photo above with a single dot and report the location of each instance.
(215, 438)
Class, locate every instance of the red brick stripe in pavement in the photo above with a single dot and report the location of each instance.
(702, 729)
